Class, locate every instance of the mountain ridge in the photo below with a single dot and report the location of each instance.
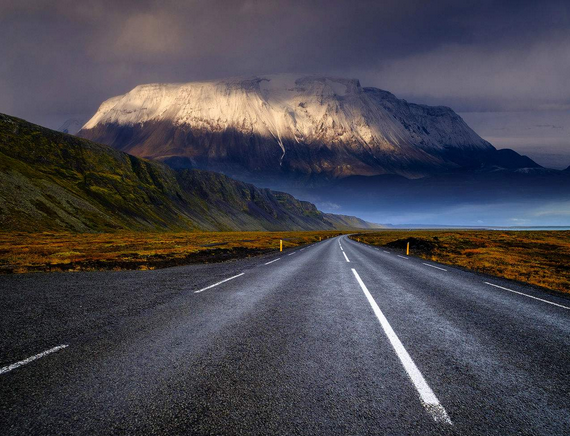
(54, 181)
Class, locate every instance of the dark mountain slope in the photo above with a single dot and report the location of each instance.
(348, 222)
(53, 181)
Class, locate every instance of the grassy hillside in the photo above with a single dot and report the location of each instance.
(348, 222)
(540, 258)
(50, 181)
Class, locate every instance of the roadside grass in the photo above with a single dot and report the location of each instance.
(55, 251)
(541, 258)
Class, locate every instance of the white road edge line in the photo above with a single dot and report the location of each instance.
(346, 257)
(291, 254)
(433, 266)
(273, 261)
(31, 359)
(529, 296)
(386, 251)
(427, 397)
(219, 283)
(403, 257)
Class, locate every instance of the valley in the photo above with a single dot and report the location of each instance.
(245, 217)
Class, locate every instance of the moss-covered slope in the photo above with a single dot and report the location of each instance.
(54, 181)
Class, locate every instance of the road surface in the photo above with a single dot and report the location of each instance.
(334, 338)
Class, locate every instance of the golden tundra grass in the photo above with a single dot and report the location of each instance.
(30, 252)
(540, 258)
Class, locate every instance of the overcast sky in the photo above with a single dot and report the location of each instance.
(503, 65)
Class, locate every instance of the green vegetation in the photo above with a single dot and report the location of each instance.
(540, 258)
(50, 181)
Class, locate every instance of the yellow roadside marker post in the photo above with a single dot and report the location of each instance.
(408, 249)
(280, 244)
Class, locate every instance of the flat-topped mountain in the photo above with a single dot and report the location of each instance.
(307, 126)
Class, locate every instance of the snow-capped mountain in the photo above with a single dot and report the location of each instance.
(291, 125)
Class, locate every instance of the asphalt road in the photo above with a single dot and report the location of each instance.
(335, 338)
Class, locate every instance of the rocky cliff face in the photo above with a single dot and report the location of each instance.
(285, 125)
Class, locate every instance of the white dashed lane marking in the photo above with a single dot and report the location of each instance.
(219, 283)
(529, 296)
(433, 266)
(273, 261)
(31, 359)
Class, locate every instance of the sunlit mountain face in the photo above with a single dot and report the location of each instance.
(286, 126)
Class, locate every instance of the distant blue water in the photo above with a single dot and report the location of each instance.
(528, 228)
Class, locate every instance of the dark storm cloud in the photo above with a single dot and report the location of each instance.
(65, 57)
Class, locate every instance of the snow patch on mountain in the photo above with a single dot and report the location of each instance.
(304, 109)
